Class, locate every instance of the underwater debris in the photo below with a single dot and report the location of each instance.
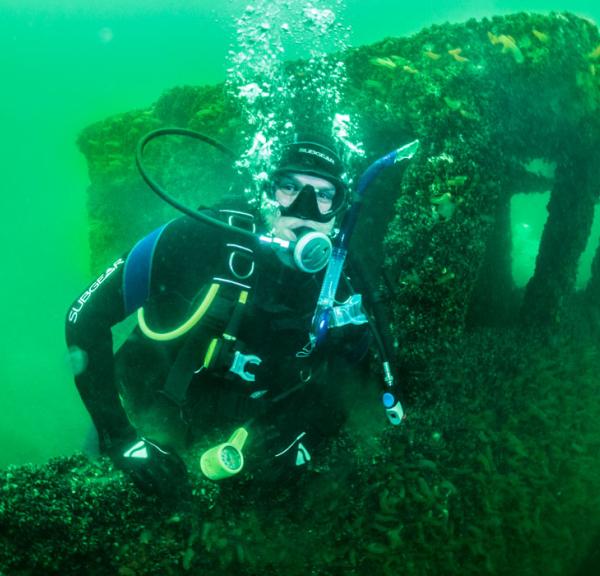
(544, 38)
(384, 62)
(509, 45)
(455, 53)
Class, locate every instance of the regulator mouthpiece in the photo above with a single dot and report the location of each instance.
(312, 251)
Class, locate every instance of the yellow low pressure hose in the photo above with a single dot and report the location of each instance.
(186, 326)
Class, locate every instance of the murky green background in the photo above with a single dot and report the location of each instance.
(64, 65)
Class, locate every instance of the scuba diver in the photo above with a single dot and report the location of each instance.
(228, 340)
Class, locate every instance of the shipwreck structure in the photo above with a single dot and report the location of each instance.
(491, 102)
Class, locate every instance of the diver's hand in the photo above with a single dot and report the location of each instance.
(154, 469)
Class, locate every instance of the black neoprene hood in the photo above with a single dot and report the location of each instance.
(313, 156)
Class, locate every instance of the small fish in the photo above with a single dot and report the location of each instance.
(446, 276)
(445, 197)
(508, 42)
(374, 85)
(540, 36)
(509, 45)
(432, 55)
(455, 53)
(457, 181)
(595, 53)
(493, 38)
(444, 207)
(410, 69)
(452, 104)
(383, 62)
(468, 115)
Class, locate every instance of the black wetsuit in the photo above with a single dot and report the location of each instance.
(292, 397)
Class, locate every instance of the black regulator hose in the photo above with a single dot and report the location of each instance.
(155, 186)
(377, 311)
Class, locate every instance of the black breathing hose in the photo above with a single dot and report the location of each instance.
(155, 186)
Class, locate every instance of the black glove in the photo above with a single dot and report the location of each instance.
(153, 469)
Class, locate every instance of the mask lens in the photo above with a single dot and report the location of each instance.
(325, 198)
(287, 186)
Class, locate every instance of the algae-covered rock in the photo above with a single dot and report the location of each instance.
(494, 471)
(121, 207)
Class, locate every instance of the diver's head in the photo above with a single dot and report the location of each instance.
(309, 191)
(308, 182)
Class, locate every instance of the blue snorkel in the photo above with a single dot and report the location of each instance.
(327, 314)
(324, 312)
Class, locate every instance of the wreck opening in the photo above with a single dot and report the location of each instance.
(528, 216)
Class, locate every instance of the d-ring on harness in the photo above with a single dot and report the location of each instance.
(241, 361)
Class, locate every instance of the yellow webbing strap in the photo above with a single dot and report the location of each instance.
(232, 325)
(187, 325)
(209, 352)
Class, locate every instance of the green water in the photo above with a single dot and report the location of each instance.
(64, 66)
(62, 70)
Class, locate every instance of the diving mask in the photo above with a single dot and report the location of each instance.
(306, 201)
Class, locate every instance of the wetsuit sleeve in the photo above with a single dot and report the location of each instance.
(89, 338)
